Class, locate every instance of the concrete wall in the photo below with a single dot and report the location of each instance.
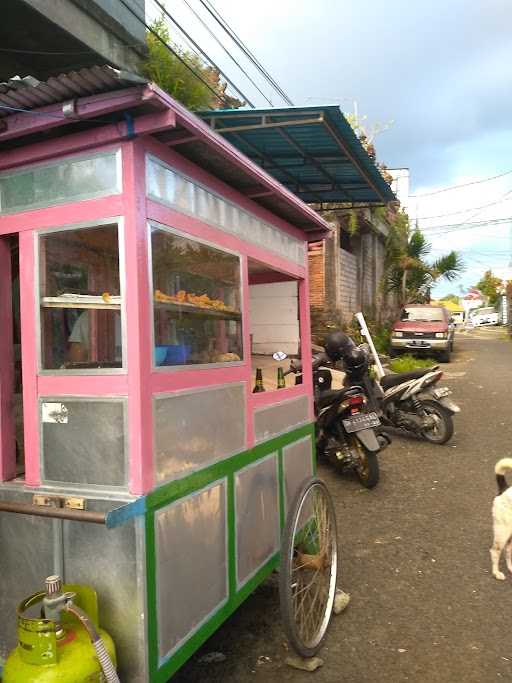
(348, 285)
(344, 282)
(273, 312)
(113, 15)
(106, 27)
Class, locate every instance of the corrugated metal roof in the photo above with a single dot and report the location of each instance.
(29, 93)
(313, 151)
(190, 136)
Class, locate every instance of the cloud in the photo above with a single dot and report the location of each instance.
(483, 247)
(439, 70)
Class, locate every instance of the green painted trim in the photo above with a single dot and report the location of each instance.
(152, 624)
(282, 490)
(313, 452)
(172, 492)
(231, 519)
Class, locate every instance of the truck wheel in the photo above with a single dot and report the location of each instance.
(444, 356)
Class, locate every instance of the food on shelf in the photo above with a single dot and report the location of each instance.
(71, 299)
(225, 358)
(199, 300)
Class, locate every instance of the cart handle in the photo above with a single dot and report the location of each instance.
(58, 513)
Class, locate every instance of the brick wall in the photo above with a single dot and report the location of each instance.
(316, 274)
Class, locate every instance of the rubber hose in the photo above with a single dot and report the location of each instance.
(107, 666)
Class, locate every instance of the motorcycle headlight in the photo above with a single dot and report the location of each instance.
(441, 335)
(398, 334)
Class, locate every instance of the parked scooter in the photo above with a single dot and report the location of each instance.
(345, 423)
(410, 401)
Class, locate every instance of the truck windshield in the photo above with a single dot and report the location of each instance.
(431, 315)
(482, 311)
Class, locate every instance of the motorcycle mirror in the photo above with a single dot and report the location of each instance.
(279, 355)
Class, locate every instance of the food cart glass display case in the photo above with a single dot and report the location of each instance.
(143, 289)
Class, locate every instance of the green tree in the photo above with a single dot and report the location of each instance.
(172, 75)
(490, 285)
(452, 297)
(408, 272)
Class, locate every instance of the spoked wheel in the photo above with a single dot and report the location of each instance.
(309, 562)
(442, 430)
(367, 468)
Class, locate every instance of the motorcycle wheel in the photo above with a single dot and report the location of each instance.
(443, 431)
(367, 469)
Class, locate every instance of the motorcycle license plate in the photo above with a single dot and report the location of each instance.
(356, 423)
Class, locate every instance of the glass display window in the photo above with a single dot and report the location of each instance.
(196, 301)
(80, 299)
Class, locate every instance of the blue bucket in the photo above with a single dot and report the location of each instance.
(160, 355)
(172, 354)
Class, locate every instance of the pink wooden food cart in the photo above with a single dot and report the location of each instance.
(145, 266)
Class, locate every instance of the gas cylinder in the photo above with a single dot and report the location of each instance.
(53, 644)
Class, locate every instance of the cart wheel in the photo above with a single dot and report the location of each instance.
(309, 561)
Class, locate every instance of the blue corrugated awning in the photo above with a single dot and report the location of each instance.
(313, 151)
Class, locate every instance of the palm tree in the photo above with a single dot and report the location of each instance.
(407, 271)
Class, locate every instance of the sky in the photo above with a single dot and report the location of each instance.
(436, 75)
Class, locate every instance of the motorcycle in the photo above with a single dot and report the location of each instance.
(410, 401)
(347, 429)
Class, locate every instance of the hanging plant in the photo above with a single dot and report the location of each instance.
(352, 224)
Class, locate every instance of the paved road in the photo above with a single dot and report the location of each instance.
(415, 557)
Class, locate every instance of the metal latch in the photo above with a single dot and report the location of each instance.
(46, 501)
(70, 502)
(74, 503)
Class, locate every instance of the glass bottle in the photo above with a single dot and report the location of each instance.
(281, 384)
(258, 387)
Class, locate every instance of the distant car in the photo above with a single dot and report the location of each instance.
(483, 316)
(423, 329)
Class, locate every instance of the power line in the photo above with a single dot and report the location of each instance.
(51, 115)
(231, 33)
(198, 47)
(455, 213)
(176, 54)
(455, 187)
(50, 53)
(467, 222)
(238, 41)
(224, 48)
(457, 227)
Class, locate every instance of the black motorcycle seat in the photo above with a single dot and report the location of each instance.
(332, 395)
(393, 380)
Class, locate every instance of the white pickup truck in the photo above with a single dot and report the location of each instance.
(483, 316)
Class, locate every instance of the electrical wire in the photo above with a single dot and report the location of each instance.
(455, 213)
(445, 229)
(250, 55)
(466, 222)
(198, 47)
(231, 33)
(224, 48)
(176, 54)
(50, 115)
(49, 53)
(455, 187)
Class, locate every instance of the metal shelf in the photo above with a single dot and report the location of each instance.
(87, 302)
(202, 311)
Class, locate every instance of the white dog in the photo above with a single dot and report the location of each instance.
(502, 520)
